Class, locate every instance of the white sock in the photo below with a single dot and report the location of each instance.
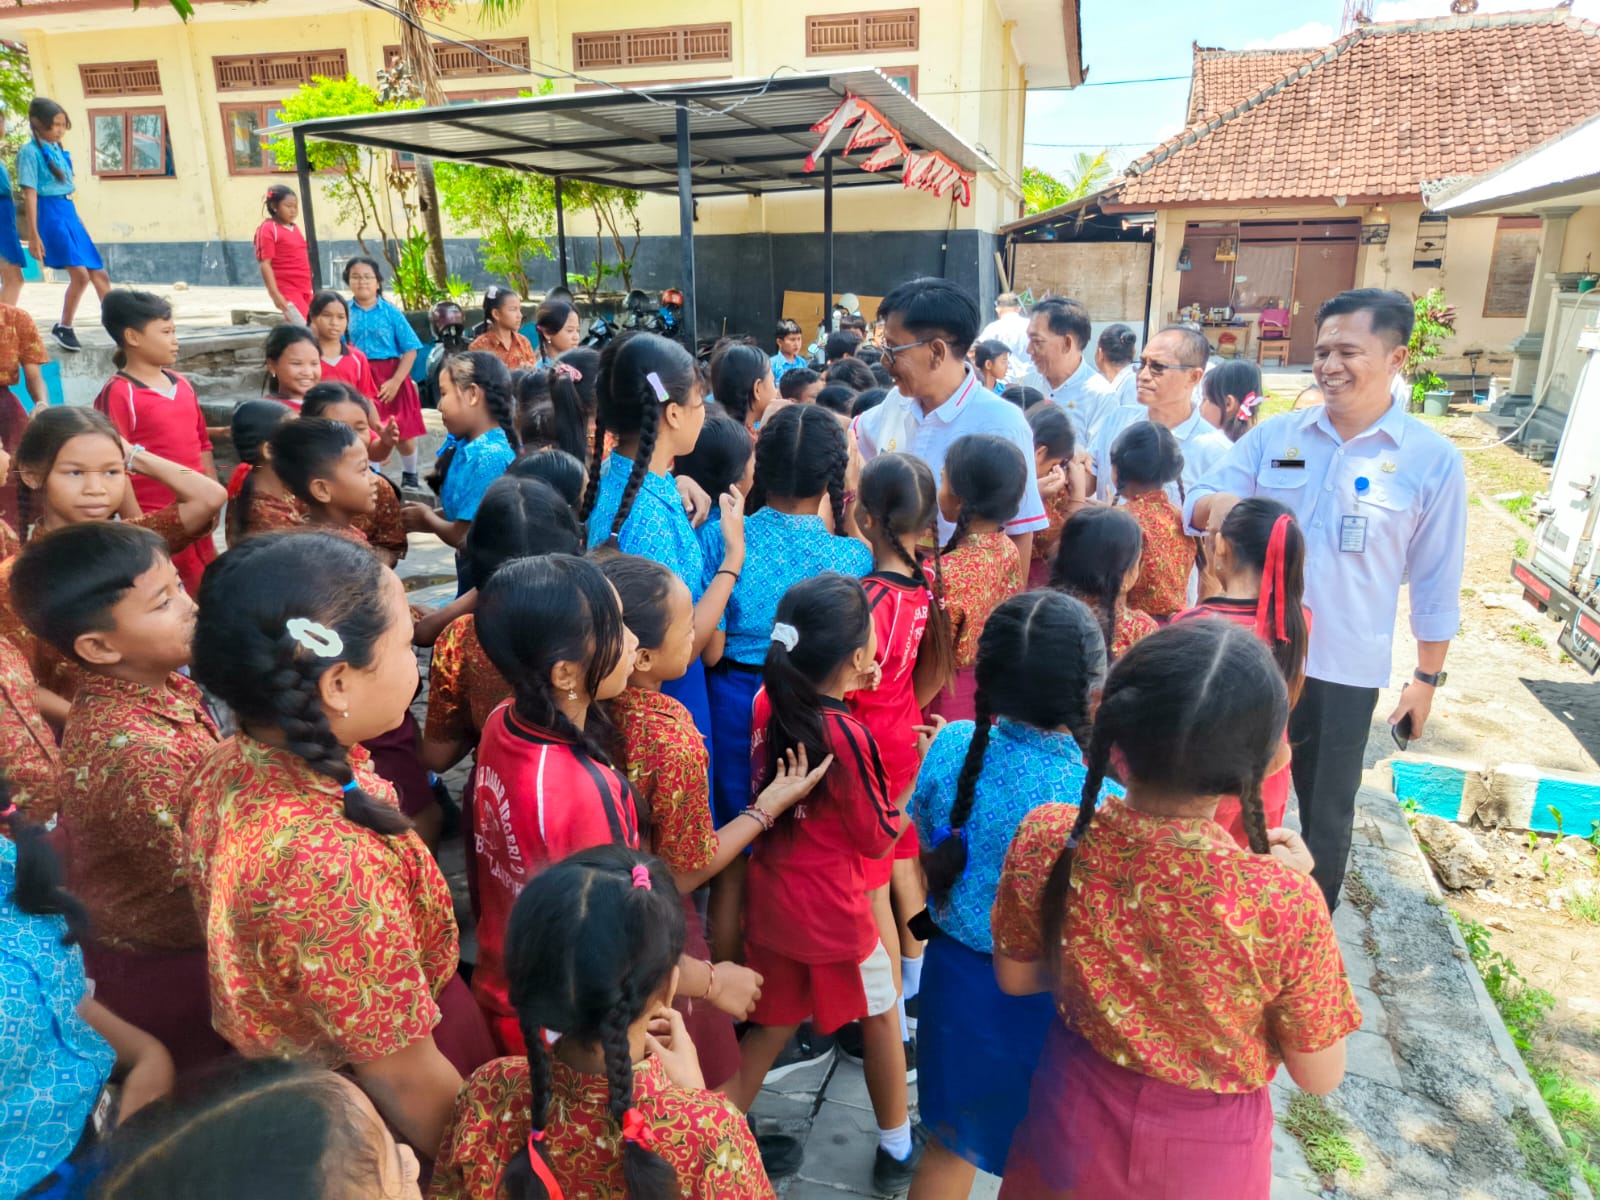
(905, 1030)
(911, 976)
(897, 1141)
(408, 463)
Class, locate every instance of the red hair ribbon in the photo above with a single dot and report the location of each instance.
(1247, 406)
(236, 480)
(8, 811)
(542, 1168)
(568, 371)
(637, 1130)
(1271, 619)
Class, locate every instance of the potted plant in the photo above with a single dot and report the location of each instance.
(1435, 321)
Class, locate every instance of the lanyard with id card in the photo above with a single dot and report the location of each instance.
(1353, 529)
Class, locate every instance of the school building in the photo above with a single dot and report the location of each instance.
(172, 177)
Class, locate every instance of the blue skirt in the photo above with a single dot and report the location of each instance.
(976, 1052)
(10, 243)
(733, 691)
(66, 241)
(690, 691)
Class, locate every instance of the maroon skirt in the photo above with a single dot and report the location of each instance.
(710, 1029)
(960, 704)
(1097, 1131)
(394, 756)
(166, 993)
(461, 1034)
(406, 407)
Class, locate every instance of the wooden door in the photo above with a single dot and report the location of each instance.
(1321, 271)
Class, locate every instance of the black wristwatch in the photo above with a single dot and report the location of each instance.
(1433, 681)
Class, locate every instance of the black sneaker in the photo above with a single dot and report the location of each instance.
(65, 338)
(408, 479)
(849, 1040)
(892, 1176)
(781, 1153)
(911, 1059)
(913, 1011)
(805, 1049)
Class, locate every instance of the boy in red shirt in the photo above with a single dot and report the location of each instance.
(155, 407)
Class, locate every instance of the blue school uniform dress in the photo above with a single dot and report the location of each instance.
(10, 243)
(476, 465)
(66, 241)
(53, 1065)
(780, 551)
(977, 1047)
(657, 528)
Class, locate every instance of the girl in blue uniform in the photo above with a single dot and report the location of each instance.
(55, 234)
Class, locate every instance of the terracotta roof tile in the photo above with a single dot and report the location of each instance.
(1376, 113)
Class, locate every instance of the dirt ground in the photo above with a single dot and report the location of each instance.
(1513, 697)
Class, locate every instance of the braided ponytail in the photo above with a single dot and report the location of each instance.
(1058, 885)
(639, 374)
(647, 1175)
(40, 889)
(1254, 817)
(649, 423)
(480, 369)
(521, 1181)
(946, 859)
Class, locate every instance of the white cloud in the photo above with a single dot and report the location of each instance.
(1312, 33)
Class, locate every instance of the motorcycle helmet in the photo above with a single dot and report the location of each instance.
(447, 319)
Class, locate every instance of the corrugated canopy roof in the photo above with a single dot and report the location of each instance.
(746, 136)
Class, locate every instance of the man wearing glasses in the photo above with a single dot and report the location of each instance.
(1173, 362)
(1380, 498)
(929, 326)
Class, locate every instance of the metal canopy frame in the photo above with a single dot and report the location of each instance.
(723, 138)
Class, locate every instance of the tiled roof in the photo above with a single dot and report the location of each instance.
(1223, 78)
(1381, 110)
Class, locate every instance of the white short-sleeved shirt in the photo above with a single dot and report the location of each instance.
(1011, 330)
(899, 424)
(1410, 520)
(1126, 387)
(1203, 446)
(1087, 396)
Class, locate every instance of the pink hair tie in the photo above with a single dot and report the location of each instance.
(641, 877)
(8, 811)
(568, 371)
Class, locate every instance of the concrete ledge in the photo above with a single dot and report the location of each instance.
(1506, 796)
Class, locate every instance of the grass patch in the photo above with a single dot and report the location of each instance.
(1520, 507)
(1574, 1106)
(1520, 547)
(1357, 891)
(1475, 500)
(1528, 636)
(1584, 904)
(1324, 1136)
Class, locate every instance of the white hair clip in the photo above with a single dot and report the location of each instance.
(315, 637)
(786, 636)
(660, 389)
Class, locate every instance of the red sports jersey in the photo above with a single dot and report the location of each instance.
(354, 369)
(537, 799)
(900, 607)
(807, 894)
(171, 427)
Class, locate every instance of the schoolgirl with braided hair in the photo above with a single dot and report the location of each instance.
(1097, 561)
(1041, 660)
(1145, 460)
(324, 465)
(896, 508)
(650, 399)
(1063, 487)
(258, 501)
(352, 963)
(802, 455)
(545, 784)
(384, 527)
(1184, 967)
(617, 1105)
(985, 477)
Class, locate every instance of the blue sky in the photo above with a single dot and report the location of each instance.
(1150, 39)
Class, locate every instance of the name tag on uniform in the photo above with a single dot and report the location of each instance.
(1353, 535)
(1298, 464)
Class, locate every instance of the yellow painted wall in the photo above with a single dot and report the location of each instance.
(1581, 252)
(966, 59)
(1464, 277)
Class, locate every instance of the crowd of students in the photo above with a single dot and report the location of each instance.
(936, 735)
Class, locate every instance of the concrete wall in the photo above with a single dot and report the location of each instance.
(966, 58)
(1464, 276)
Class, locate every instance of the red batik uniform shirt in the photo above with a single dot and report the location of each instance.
(353, 368)
(806, 898)
(1184, 958)
(463, 685)
(269, 514)
(384, 527)
(982, 571)
(900, 607)
(537, 799)
(703, 1136)
(27, 747)
(1167, 559)
(326, 941)
(669, 767)
(128, 751)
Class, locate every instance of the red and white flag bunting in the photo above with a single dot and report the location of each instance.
(927, 171)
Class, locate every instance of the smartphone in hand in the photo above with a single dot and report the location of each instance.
(1401, 731)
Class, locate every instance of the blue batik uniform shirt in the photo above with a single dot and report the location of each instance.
(476, 465)
(1023, 767)
(657, 528)
(52, 1064)
(779, 551)
(382, 331)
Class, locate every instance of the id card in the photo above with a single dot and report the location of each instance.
(1353, 535)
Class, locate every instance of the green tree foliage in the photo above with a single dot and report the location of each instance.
(1435, 323)
(511, 212)
(1042, 190)
(616, 218)
(370, 191)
